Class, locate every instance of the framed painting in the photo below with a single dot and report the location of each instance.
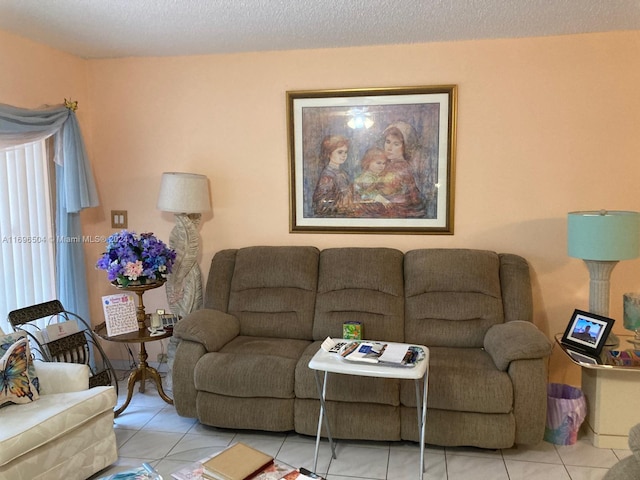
(587, 332)
(375, 160)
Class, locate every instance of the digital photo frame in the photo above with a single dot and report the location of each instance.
(587, 332)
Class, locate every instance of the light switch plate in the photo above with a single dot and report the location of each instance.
(118, 219)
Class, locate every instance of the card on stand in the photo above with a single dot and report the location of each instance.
(119, 314)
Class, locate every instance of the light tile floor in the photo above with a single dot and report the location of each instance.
(149, 430)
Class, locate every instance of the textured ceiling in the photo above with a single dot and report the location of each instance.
(121, 28)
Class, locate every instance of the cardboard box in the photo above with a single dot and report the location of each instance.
(352, 330)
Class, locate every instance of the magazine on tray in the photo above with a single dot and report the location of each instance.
(393, 354)
(359, 351)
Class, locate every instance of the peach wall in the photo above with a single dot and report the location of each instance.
(545, 126)
(33, 75)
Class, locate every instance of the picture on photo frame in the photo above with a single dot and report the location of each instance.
(372, 160)
(587, 332)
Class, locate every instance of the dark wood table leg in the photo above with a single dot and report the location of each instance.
(141, 374)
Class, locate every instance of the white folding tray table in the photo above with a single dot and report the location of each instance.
(327, 362)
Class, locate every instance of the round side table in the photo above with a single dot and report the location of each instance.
(143, 371)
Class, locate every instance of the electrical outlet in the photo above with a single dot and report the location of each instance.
(162, 358)
(119, 219)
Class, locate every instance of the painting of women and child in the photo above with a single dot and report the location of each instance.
(372, 160)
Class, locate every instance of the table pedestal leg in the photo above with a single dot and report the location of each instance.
(141, 374)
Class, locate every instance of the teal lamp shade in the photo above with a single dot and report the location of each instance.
(604, 235)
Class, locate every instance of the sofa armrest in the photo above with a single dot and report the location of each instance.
(211, 328)
(515, 340)
(57, 377)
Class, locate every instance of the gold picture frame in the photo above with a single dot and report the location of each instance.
(372, 160)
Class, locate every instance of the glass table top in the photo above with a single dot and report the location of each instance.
(621, 355)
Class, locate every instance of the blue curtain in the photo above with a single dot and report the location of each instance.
(75, 189)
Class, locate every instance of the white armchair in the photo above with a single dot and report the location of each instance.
(66, 433)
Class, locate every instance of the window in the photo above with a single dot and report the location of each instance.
(27, 235)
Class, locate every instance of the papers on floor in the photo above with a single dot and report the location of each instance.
(273, 471)
(237, 462)
(302, 474)
(146, 472)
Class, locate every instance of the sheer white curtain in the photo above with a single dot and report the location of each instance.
(27, 238)
(75, 189)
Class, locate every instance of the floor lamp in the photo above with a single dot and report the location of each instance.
(601, 239)
(186, 195)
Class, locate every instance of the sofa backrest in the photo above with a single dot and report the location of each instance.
(434, 297)
(453, 296)
(363, 285)
(517, 296)
(271, 290)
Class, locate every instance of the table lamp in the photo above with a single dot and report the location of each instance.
(602, 238)
(186, 195)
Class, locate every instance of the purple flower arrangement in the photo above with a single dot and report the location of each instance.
(136, 258)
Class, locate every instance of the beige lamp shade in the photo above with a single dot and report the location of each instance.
(184, 193)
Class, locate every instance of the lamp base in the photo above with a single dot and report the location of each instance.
(184, 284)
(599, 286)
(599, 275)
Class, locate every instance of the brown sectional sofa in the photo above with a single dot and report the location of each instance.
(241, 362)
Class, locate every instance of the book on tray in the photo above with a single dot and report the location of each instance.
(237, 462)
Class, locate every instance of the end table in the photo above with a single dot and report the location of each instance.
(143, 371)
(611, 389)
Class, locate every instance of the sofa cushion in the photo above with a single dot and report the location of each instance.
(251, 367)
(218, 288)
(253, 413)
(465, 380)
(29, 426)
(77, 455)
(363, 285)
(345, 388)
(361, 421)
(453, 296)
(18, 382)
(273, 291)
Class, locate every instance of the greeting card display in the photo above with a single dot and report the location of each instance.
(119, 314)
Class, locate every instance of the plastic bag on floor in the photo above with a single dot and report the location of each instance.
(566, 410)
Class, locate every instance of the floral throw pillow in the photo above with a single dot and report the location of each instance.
(18, 381)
